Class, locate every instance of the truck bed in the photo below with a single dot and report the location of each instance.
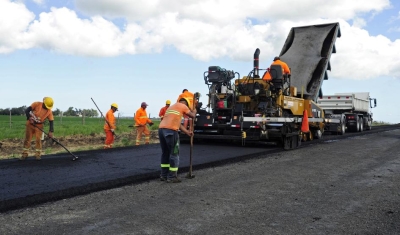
(357, 102)
(307, 51)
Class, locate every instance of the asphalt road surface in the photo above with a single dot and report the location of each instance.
(346, 186)
(30, 182)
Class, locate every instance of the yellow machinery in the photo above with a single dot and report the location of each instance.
(251, 109)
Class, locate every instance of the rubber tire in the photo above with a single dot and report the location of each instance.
(343, 129)
(361, 129)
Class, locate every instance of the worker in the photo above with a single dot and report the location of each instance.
(189, 96)
(110, 126)
(141, 121)
(277, 61)
(163, 109)
(36, 114)
(169, 139)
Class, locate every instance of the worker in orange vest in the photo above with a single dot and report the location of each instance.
(277, 61)
(109, 126)
(36, 114)
(163, 109)
(141, 121)
(168, 134)
(189, 96)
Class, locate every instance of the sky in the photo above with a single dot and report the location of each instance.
(130, 51)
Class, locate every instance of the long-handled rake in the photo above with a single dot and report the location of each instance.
(74, 157)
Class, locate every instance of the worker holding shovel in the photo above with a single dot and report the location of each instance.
(36, 114)
(169, 139)
(109, 126)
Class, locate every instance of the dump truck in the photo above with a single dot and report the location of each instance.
(282, 110)
(347, 111)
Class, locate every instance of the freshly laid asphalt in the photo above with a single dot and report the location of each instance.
(30, 182)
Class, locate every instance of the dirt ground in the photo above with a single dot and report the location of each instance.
(12, 148)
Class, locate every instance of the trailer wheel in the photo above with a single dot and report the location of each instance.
(361, 122)
(342, 128)
(369, 127)
(357, 127)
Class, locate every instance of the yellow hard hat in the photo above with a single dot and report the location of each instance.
(114, 105)
(168, 102)
(48, 102)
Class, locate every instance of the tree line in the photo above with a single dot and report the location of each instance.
(57, 112)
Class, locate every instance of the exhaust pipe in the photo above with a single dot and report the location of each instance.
(256, 63)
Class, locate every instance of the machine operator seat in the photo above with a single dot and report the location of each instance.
(279, 80)
(276, 76)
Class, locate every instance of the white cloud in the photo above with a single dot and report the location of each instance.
(362, 56)
(14, 19)
(39, 2)
(202, 29)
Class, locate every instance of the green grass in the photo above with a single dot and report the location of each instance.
(65, 126)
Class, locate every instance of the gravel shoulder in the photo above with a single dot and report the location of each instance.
(350, 186)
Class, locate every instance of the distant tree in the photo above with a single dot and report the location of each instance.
(18, 111)
(57, 112)
(70, 112)
(5, 111)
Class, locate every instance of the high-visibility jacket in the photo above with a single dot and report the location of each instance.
(173, 116)
(110, 119)
(41, 113)
(162, 112)
(141, 118)
(189, 96)
(285, 69)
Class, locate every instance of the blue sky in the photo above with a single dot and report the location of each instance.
(127, 51)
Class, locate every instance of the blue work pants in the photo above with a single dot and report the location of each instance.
(169, 141)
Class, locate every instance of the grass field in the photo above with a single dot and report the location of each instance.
(64, 126)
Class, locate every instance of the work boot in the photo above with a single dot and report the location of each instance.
(38, 156)
(147, 143)
(174, 180)
(23, 156)
(163, 178)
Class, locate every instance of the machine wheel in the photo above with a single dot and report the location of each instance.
(318, 134)
(307, 136)
(291, 142)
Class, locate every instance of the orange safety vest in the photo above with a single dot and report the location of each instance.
(285, 69)
(141, 118)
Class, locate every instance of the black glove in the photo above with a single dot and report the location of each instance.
(150, 124)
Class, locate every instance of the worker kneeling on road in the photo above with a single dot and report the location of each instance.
(169, 139)
(36, 114)
(141, 121)
(109, 126)
(277, 61)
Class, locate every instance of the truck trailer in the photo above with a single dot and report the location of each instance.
(347, 111)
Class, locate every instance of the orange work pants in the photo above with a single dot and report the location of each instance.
(142, 130)
(31, 131)
(109, 139)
